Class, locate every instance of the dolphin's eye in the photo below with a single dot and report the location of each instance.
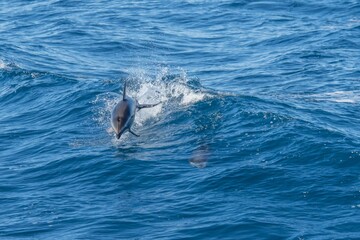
(118, 119)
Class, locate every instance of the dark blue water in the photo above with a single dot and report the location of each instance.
(257, 136)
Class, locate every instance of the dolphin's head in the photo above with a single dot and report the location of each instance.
(121, 127)
(119, 118)
(118, 124)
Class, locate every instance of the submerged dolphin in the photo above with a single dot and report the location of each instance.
(123, 115)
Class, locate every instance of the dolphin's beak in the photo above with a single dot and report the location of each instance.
(118, 135)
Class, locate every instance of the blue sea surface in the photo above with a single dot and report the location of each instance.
(257, 135)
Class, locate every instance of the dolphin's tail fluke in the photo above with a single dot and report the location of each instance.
(124, 92)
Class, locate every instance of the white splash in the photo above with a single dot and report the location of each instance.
(174, 93)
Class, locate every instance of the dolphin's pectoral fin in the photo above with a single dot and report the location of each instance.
(140, 106)
(130, 131)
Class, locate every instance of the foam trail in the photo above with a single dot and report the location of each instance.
(338, 96)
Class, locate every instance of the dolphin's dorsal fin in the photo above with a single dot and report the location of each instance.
(124, 92)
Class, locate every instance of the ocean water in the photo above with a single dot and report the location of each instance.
(257, 135)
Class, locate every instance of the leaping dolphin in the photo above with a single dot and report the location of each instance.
(123, 114)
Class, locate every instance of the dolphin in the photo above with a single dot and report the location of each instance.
(200, 156)
(123, 114)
